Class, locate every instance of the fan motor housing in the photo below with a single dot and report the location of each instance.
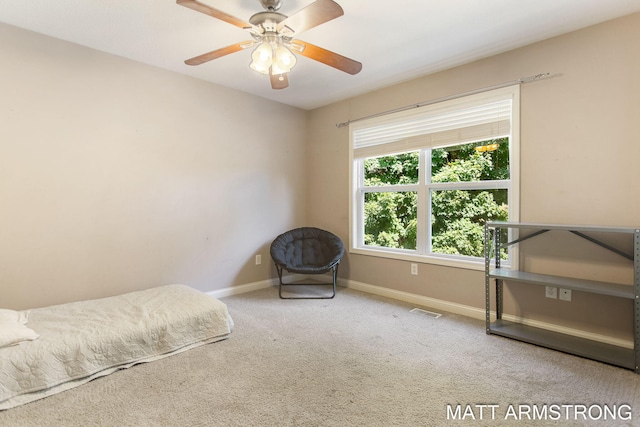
(271, 5)
(267, 20)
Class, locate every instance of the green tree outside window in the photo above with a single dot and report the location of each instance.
(457, 216)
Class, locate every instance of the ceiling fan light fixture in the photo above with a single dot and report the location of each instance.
(283, 61)
(262, 57)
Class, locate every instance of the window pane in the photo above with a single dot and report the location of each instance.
(390, 219)
(478, 161)
(392, 170)
(458, 218)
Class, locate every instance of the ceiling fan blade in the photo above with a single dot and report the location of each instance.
(316, 13)
(279, 81)
(206, 57)
(327, 57)
(208, 10)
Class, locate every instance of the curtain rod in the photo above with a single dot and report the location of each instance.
(522, 80)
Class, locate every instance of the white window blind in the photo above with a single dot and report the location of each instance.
(479, 117)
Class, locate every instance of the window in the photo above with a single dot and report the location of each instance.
(424, 181)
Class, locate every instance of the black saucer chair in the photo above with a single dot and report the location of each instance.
(307, 250)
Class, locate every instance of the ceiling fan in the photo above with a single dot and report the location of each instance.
(273, 33)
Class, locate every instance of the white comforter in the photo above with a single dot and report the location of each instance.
(84, 340)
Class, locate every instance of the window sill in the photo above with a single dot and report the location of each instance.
(447, 261)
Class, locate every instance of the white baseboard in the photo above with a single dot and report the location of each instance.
(569, 331)
(478, 313)
(249, 287)
(432, 303)
(241, 289)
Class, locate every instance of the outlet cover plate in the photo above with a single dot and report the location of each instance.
(565, 294)
(551, 292)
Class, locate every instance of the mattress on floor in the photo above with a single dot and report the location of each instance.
(84, 340)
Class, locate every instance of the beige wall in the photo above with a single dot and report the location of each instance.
(579, 163)
(116, 176)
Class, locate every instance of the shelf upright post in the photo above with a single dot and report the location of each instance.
(497, 249)
(636, 299)
(487, 280)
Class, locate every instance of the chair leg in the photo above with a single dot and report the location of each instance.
(279, 270)
(281, 284)
(335, 279)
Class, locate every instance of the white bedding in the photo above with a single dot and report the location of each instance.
(84, 340)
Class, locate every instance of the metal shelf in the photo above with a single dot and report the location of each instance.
(542, 226)
(607, 353)
(602, 288)
(589, 349)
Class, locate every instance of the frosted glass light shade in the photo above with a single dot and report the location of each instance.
(262, 58)
(284, 60)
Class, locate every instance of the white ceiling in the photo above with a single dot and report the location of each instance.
(395, 40)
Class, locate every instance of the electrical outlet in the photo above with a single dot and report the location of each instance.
(565, 294)
(414, 269)
(258, 259)
(551, 292)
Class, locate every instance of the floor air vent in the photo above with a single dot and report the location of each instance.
(426, 313)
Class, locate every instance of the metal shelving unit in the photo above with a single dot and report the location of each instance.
(608, 353)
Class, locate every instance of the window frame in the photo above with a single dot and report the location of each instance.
(425, 187)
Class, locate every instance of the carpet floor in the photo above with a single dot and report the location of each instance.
(356, 360)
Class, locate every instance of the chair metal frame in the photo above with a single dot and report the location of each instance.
(334, 270)
(331, 263)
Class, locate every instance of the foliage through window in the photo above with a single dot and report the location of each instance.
(433, 200)
(390, 216)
